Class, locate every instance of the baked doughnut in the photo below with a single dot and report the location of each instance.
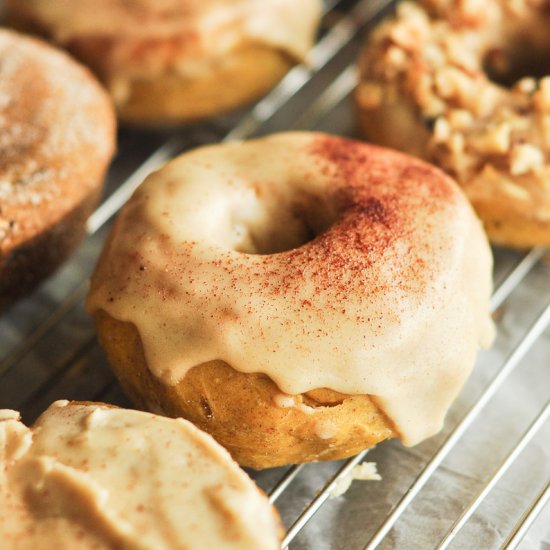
(435, 81)
(87, 475)
(300, 297)
(56, 139)
(178, 60)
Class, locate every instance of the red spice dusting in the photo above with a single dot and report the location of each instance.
(374, 210)
(379, 246)
(378, 193)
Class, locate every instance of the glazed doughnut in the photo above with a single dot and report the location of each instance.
(178, 60)
(87, 475)
(300, 297)
(434, 82)
(56, 139)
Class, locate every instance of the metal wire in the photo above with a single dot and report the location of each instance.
(284, 482)
(58, 373)
(113, 204)
(537, 328)
(516, 276)
(341, 86)
(337, 37)
(527, 519)
(495, 478)
(47, 325)
(321, 498)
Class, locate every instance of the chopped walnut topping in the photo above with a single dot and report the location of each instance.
(397, 57)
(5, 189)
(515, 191)
(442, 130)
(460, 56)
(495, 140)
(476, 123)
(415, 27)
(435, 56)
(525, 158)
(460, 119)
(119, 87)
(456, 143)
(526, 85)
(452, 83)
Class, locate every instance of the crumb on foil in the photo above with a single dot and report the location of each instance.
(366, 471)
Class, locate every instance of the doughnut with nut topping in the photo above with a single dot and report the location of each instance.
(458, 84)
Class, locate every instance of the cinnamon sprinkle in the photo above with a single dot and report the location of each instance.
(56, 129)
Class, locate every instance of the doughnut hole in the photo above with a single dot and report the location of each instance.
(520, 58)
(269, 220)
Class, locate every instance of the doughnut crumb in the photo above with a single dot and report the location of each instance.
(366, 471)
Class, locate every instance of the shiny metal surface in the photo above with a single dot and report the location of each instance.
(481, 483)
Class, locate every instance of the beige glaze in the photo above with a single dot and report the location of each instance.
(200, 30)
(390, 298)
(88, 476)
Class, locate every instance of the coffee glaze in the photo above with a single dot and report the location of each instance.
(183, 36)
(91, 476)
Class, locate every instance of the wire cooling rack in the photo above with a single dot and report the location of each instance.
(483, 483)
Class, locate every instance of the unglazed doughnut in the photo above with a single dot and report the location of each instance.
(90, 476)
(56, 139)
(178, 60)
(425, 89)
(300, 297)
